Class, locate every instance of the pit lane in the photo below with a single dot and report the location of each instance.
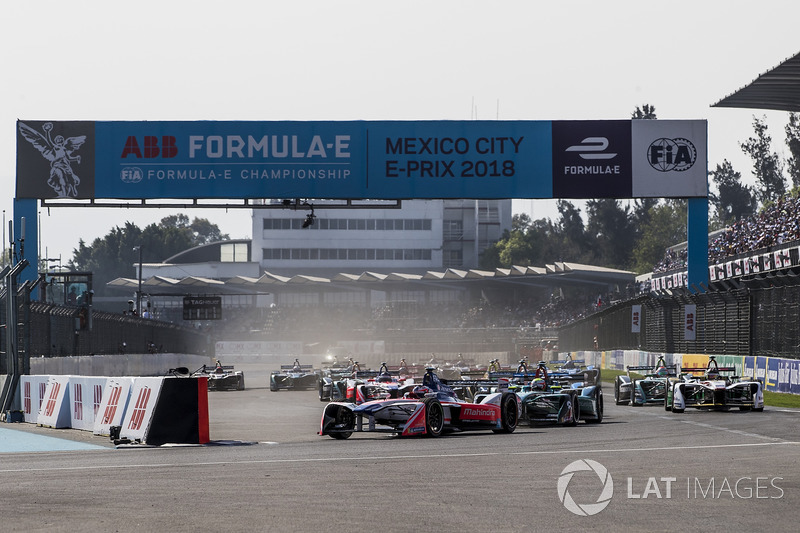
(271, 472)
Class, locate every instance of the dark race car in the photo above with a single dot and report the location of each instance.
(294, 377)
(431, 409)
(650, 389)
(558, 397)
(222, 377)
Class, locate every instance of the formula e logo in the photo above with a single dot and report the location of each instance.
(131, 175)
(592, 148)
(677, 154)
(586, 509)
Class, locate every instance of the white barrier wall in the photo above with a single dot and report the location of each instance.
(116, 394)
(54, 412)
(85, 397)
(31, 390)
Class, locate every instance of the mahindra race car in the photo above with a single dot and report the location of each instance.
(222, 377)
(294, 377)
(431, 409)
(331, 378)
(361, 386)
(552, 398)
(652, 388)
(714, 391)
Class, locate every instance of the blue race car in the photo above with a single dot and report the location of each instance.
(649, 389)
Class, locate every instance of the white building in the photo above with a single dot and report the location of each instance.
(418, 236)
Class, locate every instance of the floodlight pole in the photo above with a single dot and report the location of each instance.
(139, 290)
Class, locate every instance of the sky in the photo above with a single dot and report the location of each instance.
(369, 60)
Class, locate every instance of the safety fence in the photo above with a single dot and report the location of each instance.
(758, 322)
(47, 330)
(777, 374)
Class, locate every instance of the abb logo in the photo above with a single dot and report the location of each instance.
(150, 147)
(50, 406)
(137, 417)
(77, 402)
(111, 408)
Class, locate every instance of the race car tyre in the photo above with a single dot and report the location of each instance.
(576, 412)
(241, 383)
(321, 395)
(434, 417)
(633, 395)
(616, 392)
(509, 413)
(667, 406)
(599, 409)
(344, 417)
(272, 386)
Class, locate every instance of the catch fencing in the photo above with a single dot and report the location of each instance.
(744, 322)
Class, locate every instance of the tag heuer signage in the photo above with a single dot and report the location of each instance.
(202, 307)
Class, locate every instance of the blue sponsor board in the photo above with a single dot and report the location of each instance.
(788, 376)
(361, 160)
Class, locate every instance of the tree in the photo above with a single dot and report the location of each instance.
(734, 200)
(793, 142)
(646, 112)
(609, 228)
(570, 230)
(113, 256)
(667, 228)
(767, 165)
(521, 222)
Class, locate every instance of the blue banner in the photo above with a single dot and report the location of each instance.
(361, 160)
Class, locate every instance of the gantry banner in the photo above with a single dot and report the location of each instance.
(362, 160)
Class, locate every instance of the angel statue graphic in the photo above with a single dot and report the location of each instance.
(59, 151)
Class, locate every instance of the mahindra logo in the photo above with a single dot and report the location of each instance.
(478, 412)
(592, 148)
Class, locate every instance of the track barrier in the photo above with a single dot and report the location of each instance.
(149, 410)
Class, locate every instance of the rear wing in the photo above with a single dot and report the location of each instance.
(705, 370)
(302, 368)
(672, 370)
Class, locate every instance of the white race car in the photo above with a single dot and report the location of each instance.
(712, 390)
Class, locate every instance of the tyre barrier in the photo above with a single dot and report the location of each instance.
(148, 410)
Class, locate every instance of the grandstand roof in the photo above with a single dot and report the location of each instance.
(550, 276)
(777, 89)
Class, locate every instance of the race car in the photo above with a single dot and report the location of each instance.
(431, 409)
(714, 391)
(652, 388)
(550, 398)
(329, 384)
(294, 377)
(221, 377)
(360, 386)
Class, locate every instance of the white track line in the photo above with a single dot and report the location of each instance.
(396, 457)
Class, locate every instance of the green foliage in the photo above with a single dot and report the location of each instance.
(767, 165)
(793, 143)
(667, 227)
(116, 254)
(734, 200)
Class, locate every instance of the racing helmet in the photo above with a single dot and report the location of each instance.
(661, 371)
(538, 384)
(421, 390)
(384, 378)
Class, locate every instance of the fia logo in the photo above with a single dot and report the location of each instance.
(666, 155)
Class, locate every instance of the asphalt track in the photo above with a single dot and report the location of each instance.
(268, 470)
